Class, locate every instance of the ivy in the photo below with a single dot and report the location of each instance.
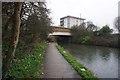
(29, 66)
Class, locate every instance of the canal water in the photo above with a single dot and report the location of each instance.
(102, 61)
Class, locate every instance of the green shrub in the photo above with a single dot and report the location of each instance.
(29, 65)
(82, 71)
(85, 39)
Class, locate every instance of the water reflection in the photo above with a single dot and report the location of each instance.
(103, 61)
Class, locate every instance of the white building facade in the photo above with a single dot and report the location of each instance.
(69, 21)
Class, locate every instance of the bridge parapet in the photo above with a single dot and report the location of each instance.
(60, 29)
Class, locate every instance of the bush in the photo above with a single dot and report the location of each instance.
(85, 39)
(28, 66)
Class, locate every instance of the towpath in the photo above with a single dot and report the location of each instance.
(55, 66)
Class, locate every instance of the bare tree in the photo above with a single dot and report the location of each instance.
(15, 14)
(91, 26)
(14, 36)
(117, 23)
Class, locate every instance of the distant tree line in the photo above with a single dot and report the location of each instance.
(90, 34)
(24, 24)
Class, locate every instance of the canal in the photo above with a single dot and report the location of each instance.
(102, 61)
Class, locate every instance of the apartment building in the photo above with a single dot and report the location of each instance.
(69, 21)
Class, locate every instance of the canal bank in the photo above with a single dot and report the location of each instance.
(80, 68)
(55, 66)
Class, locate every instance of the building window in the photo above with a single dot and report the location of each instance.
(76, 22)
(68, 23)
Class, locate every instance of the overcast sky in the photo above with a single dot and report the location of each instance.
(100, 12)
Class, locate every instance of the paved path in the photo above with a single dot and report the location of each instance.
(55, 66)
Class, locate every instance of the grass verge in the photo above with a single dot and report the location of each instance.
(82, 71)
(29, 65)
